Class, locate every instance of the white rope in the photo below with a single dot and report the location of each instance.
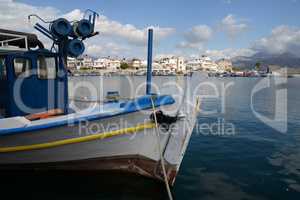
(162, 161)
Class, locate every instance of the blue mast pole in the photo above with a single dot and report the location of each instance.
(149, 61)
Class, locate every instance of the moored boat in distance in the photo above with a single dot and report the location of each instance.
(41, 130)
(249, 74)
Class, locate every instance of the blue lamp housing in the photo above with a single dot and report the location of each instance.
(83, 28)
(60, 28)
(69, 36)
(75, 48)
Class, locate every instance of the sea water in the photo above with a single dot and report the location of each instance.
(245, 145)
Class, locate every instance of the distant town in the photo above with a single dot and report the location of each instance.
(168, 65)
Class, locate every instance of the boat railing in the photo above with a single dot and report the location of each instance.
(7, 38)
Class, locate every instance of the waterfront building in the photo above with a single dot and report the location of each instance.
(71, 63)
(194, 64)
(135, 63)
(108, 63)
(203, 63)
(176, 64)
(114, 64)
(207, 64)
(144, 63)
(181, 65)
(224, 65)
(87, 62)
(79, 63)
(101, 63)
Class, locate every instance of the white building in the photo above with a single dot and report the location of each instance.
(114, 64)
(208, 64)
(203, 63)
(101, 63)
(107, 63)
(87, 62)
(157, 66)
(144, 63)
(194, 64)
(71, 63)
(181, 66)
(173, 63)
(135, 63)
(82, 62)
(224, 65)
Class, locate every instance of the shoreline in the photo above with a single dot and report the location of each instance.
(108, 73)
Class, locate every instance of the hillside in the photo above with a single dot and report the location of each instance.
(283, 60)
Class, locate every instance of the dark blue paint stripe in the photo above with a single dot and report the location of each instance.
(127, 107)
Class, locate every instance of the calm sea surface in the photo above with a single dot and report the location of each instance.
(235, 155)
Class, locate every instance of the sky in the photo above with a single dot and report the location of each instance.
(190, 28)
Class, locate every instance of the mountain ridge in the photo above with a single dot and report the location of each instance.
(283, 60)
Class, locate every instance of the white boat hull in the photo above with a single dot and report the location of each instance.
(136, 152)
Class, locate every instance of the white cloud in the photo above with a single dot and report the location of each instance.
(198, 34)
(229, 53)
(233, 26)
(106, 49)
(73, 15)
(187, 45)
(283, 39)
(14, 15)
(196, 37)
(133, 35)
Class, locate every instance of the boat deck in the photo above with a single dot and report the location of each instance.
(16, 125)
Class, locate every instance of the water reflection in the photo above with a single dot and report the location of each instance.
(213, 185)
(105, 186)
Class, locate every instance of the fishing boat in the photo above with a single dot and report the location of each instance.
(40, 130)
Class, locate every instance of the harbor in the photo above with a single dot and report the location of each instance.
(169, 66)
(123, 100)
(249, 156)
